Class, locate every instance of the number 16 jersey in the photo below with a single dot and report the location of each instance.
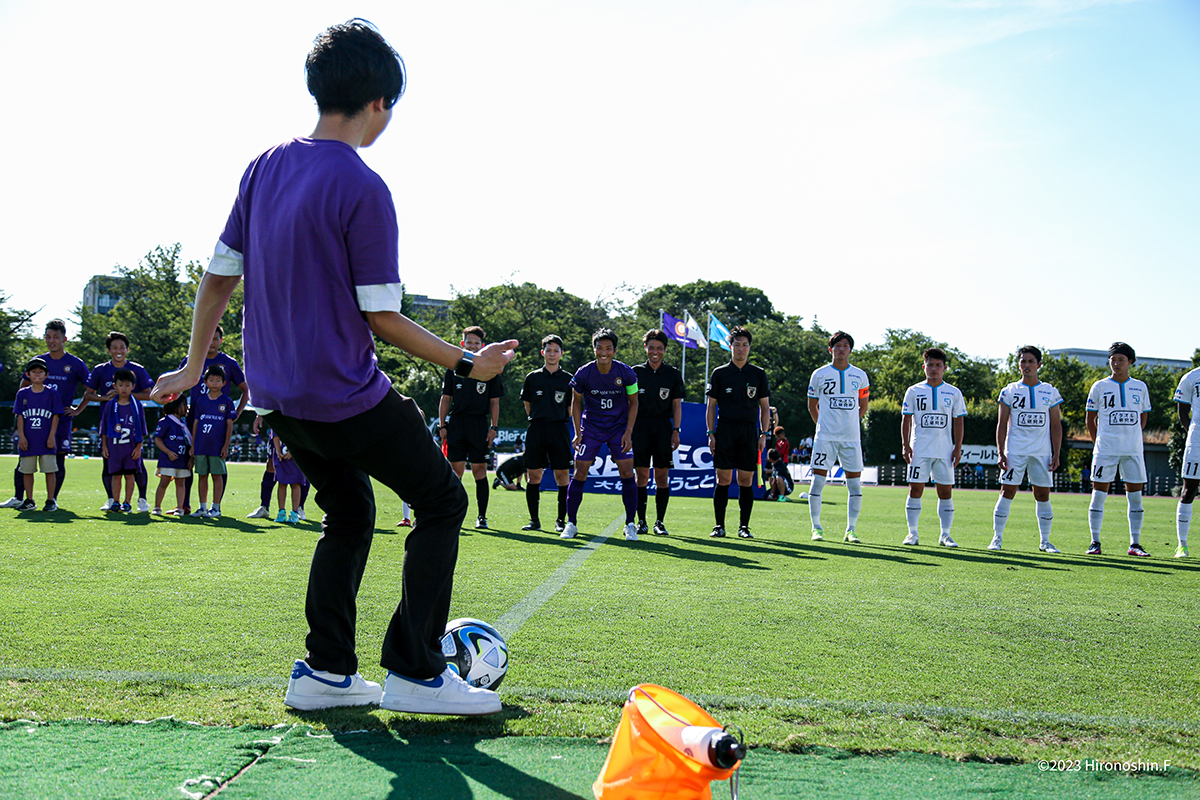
(933, 410)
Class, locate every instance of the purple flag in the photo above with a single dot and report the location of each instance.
(677, 329)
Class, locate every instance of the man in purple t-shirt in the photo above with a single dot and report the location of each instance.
(604, 408)
(100, 389)
(313, 234)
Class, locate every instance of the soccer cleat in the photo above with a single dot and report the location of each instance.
(294, 517)
(569, 530)
(945, 541)
(1181, 551)
(744, 533)
(310, 689)
(199, 513)
(50, 506)
(214, 512)
(157, 511)
(496, 483)
(817, 535)
(481, 523)
(446, 694)
(1094, 549)
(126, 508)
(11, 502)
(1046, 547)
(261, 512)
(1135, 549)
(533, 525)
(404, 523)
(559, 526)
(911, 539)
(281, 516)
(997, 541)
(718, 532)
(108, 505)
(631, 532)
(176, 512)
(301, 515)
(851, 538)
(660, 529)
(143, 505)
(642, 529)
(27, 505)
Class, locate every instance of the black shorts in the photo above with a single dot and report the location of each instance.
(737, 446)
(466, 439)
(652, 442)
(548, 444)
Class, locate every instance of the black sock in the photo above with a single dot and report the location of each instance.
(19, 484)
(662, 495)
(562, 503)
(304, 487)
(720, 502)
(532, 495)
(61, 460)
(643, 497)
(106, 478)
(481, 495)
(140, 479)
(745, 504)
(266, 488)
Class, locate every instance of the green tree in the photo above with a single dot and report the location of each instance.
(895, 364)
(16, 330)
(732, 302)
(789, 353)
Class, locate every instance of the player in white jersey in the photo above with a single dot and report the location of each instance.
(931, 427)
(1117, 408)
(1187, 396)
(838, 394)
(1028, 438)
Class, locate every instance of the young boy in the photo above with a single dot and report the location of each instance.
(173, 441)
(287, 475)
(38, 411)
(1117, 409)
(123, 429)
(838, 396)
(313, 231)
(931, 431)
(1028, 438)
(100, 389)
(604, 409)
(213, 426)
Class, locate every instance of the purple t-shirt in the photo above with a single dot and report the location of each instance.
(65, 376)
(287, 471)
(233, 375)
(210, 416)
(130, 424)
(101, 379)
(605, 397)
(175, 438)
(313, 223)
(38, 410)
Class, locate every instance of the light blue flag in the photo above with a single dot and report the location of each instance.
(717, 332)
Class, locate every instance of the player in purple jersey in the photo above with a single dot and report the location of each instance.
(38, 411)
(604, 409)
(122, 431)
(173, 441)
(212, 428)
(65, 374)
(100, 389)
(313, 233)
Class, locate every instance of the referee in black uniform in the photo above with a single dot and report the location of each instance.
(547, 398)
(740, 393)
(656, 430)
(468, 416)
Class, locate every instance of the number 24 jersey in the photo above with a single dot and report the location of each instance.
(1029, 423)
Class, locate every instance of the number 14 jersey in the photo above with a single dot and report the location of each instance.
(1119, 408)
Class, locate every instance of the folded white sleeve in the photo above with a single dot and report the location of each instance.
(225, 260)
(380, 297)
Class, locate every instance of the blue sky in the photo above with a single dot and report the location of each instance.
(992, 173)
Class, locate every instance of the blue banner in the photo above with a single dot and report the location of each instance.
(717, 332)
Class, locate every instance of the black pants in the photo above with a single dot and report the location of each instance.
(388, 443)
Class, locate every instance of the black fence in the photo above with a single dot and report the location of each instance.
(968, 477)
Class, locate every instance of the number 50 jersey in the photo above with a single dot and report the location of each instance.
(1029, 423)
(837, 392)
(933, 410)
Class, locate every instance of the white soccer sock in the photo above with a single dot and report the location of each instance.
(946, 515)
(854, 503)
(1000, 515)
(814, 500)
(912, 511)
(1135, 516)
(405, 510)
(1183, 521)
(1096, 513)
(1045, 515)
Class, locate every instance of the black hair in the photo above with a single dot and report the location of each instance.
(552, 338)
(1120, 348)
(113, 336)
(1031, 350)
(774, 455)
(655, 335)
(839, 336)
(220, 330)
(935, 353)
(351, 65)
(738, 330)
(475, 329)
(176, 405)
(214, 369)
(38, 363)
(125, 375)
(602, 334)
(57, 325)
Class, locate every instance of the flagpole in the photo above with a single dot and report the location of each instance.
(708, 350)
(682, 364)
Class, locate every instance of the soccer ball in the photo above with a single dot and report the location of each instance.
(476, 651)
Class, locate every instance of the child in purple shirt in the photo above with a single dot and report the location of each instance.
(213, 414)
(122, 430)
(287, 474)
(174, 443)
(38, 409)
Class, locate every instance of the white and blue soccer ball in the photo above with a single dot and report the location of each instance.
(476, 651)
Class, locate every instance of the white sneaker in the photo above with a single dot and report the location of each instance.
(311, 689)
(996, 542)
(1046, 547)
(569, 531)
(214, 512)
(445, 694)
(143, 505)
(108, 504)
(631, 532)
(300, 514)
(946, 541)
(262, 512)
(199, 513)
(911, 539)
(11, 502)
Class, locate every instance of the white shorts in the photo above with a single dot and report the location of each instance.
(922, 469)
(173, 472)
(1037, 466)
(1191, 462)
(1105, 468)
(848, 454)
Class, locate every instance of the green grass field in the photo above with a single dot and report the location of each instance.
(873, 648)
